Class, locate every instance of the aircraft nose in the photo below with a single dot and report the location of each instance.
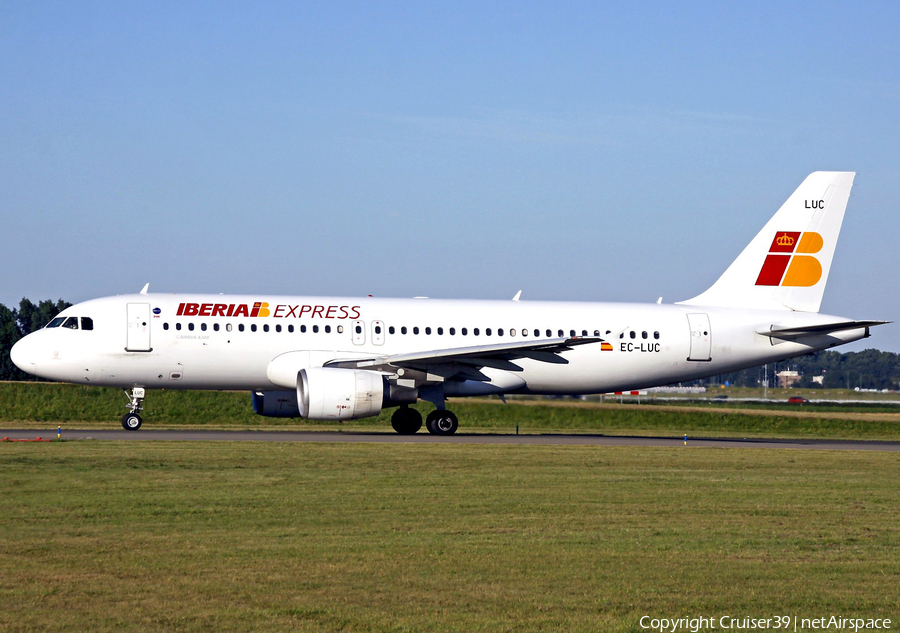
(22, 354)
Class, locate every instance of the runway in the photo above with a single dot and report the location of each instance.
(460, 438)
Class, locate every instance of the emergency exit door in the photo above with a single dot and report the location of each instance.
(138, 328)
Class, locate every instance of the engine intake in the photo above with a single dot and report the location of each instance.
(330, 393)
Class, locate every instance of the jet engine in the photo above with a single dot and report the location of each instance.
(330, 393)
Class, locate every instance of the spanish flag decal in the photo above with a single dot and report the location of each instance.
(790, 261)
(605, 347)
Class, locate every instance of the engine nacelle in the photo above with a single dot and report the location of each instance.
(275, 404)
(331, 393)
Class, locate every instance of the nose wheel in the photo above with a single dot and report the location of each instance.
(131, 421)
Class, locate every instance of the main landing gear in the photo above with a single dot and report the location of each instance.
(131, 421)
(441, 422)
(408, 421)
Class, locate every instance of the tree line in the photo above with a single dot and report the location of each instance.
(868, 369)
(16, 323)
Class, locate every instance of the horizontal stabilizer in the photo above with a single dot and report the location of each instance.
(792, 333)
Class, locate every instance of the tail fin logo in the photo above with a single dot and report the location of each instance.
(790, 261)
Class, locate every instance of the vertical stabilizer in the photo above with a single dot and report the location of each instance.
(786, 265)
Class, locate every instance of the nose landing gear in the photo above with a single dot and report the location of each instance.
(131, 421)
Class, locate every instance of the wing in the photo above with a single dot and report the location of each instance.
(464, 362)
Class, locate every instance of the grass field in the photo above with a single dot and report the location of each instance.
(111, 536)
(41, 405)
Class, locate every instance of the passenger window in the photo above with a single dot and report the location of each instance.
(632, 334)
(340, 329)
(584, 332)
(71, 323)
(440, 331)
(303, 329)
(499, 331)
(191, 326)
(377, 329)
(253, 327)
(465, 331)
(416, 330)
(178, 326)
(87, 323)
(165, 326)
(228, 327)
(475, 332)
(216, 327)
(203, 326)
(656, 335)
(453, 331)
(403, 330)
(359, 329)
(487, 331)
(643, 335)
(240, 327)
(537, 333)
(512, 331)
(596, 332)
(391, 329)
(560, 333)
(315, 329)
(549, 333)
(291, 329)
(278, 328)
(428, 330)
(571, 332)
(327, 329)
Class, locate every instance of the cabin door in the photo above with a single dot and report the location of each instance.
(138, 328)
(701, 337)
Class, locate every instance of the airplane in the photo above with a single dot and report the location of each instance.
(340, 358)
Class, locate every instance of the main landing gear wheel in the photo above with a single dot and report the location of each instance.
(406, 421)
(441, 422)
(131, 421)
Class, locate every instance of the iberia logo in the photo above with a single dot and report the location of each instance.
(259, 309)
(790, 261)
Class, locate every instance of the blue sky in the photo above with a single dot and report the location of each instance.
(582, 151)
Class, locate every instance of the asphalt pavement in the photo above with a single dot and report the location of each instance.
(182, 435)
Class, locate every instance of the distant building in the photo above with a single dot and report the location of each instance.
(787, 378)
(819, 380)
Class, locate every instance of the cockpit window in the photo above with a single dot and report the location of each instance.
(87, 323)
(71, 323)
(56, 322)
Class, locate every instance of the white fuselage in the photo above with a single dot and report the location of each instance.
(162, 341)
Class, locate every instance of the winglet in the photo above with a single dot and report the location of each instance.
(518, 295)
(145, 288)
